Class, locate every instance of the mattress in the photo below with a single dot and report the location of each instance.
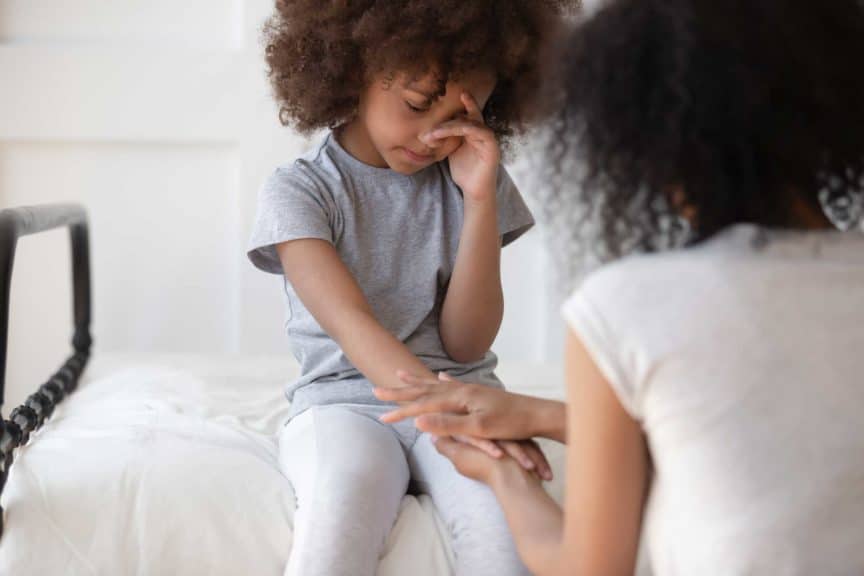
(168, 465)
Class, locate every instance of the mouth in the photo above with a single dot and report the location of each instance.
(417, 158)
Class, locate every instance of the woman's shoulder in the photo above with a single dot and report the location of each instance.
(734, 248)
(636, 272)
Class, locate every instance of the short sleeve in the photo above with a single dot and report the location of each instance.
(290, 207)
(583, 313)
(514, 217)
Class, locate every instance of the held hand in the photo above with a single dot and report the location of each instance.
(529, 455)
(526, 452)
(476, 464)
(447, 407)
(474, 164)
(471, 414)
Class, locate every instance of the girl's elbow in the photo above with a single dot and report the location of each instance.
(464, 352)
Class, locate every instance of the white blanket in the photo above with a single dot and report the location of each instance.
(169, 466)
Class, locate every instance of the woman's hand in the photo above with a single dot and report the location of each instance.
(474, 164)
(447, 407)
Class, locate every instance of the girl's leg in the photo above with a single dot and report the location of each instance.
(482, 543)
(349, 475)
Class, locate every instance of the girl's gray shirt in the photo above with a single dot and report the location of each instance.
(397, 234)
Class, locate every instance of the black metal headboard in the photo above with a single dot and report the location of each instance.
(25, 419)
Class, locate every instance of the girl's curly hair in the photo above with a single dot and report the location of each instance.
(321, 54)
(735, 109)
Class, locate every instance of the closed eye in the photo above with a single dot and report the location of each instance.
(415, 109)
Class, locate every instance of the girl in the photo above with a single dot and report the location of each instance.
(725, 378)
(388, 234)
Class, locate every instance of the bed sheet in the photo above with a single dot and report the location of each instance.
(169, 465)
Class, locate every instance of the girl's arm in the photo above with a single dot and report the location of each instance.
(474, 305)
(329, 291)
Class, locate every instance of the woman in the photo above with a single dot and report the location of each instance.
(721, 375)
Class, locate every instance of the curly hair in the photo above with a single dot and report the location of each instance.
(321, 54)
(734, 109)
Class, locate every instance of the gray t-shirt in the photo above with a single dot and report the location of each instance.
(397, 234)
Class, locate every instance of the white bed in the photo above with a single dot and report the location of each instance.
(169, 466)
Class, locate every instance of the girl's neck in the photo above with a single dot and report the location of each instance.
(354, 138)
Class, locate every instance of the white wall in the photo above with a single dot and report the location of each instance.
(156, 115)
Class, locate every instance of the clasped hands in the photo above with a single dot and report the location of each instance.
(484, 431)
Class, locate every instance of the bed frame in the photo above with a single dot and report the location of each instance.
(27, 418)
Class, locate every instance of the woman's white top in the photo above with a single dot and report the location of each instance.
(743, 360)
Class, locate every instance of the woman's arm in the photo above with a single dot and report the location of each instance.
(329, 291)
(450, 408)
(607, 463)
(607, 473)
(534, 518)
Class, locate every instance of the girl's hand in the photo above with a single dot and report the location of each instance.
(447, 407)
(526, 452)
(474, 164)
(529, 455)
(470, 413)
(476, 464)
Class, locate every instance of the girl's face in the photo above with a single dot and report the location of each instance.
(396, 111)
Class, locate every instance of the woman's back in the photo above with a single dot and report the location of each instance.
(743, 359)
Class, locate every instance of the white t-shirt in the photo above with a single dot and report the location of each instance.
(743, 359)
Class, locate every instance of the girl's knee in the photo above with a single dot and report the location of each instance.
(345, 457)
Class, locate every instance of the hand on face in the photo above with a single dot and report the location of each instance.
(474, 164)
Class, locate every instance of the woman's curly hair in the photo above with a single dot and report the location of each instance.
(321, 54)
(735, 110)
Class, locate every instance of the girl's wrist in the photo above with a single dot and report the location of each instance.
(481, 197)
(480, 206)
(509, 476)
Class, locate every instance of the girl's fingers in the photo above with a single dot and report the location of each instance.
(541, 463)
(403, 394)
(472, 131)
(413, 380)
(518, 453)
(488, 446)
(471, 107)
(432, 405)
(448, 424)
(462, 129)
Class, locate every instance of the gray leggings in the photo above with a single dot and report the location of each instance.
(349, 472)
